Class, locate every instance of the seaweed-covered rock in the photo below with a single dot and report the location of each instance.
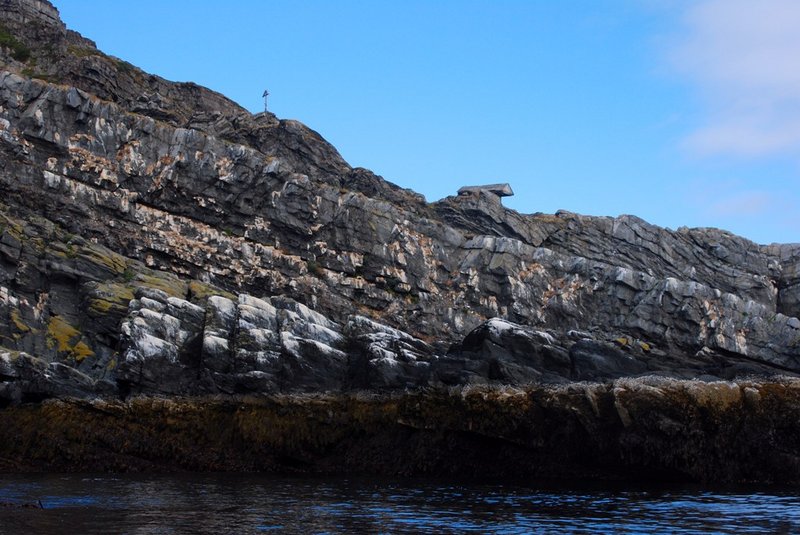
(649, 430)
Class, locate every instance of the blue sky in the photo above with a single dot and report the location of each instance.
(679, 112)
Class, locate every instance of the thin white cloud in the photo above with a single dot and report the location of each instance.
(744, 203)
(744, 57)
(723, 198)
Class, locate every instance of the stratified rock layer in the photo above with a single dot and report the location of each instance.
(157, 238)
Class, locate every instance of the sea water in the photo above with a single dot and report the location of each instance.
(236, 503)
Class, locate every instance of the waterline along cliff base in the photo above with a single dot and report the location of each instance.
(187, 285)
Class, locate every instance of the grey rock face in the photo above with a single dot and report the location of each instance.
(262, 345)
(24, 378)
(503, 352)
(386, 357)
(159, 237)
(501, 190)
(268, 345)
(160, 338)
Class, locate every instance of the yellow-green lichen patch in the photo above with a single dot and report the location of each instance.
(169, 284)
(14, 229)
(60, 334)
(38, 245)
(99, 307)
(104, 258)
(60, 250)
(9, 355)
(548, 218)
(66, 339)
(18, 322)
(199, 292)
(109, 298)
(81, 351)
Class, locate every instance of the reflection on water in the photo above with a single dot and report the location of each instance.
(228, 503)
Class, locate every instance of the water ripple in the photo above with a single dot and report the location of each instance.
(228, 503)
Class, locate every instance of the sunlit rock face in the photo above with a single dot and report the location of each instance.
(158, 238)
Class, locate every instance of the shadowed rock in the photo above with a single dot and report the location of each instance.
(648, 429)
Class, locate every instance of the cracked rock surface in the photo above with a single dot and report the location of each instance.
(155, 237)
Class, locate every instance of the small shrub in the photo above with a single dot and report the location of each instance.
(19, 51)
(124, 66)
(82, 52)
(32, 73)
(314, 268)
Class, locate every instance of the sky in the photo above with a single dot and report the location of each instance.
(683, 113)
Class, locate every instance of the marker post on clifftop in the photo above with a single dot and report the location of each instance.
(265, 95)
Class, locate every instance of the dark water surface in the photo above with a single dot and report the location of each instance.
(230, 503)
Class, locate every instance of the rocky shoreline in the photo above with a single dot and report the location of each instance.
(646, 429)
(185, 285)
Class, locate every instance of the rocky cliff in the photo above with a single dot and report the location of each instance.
(158, 238)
